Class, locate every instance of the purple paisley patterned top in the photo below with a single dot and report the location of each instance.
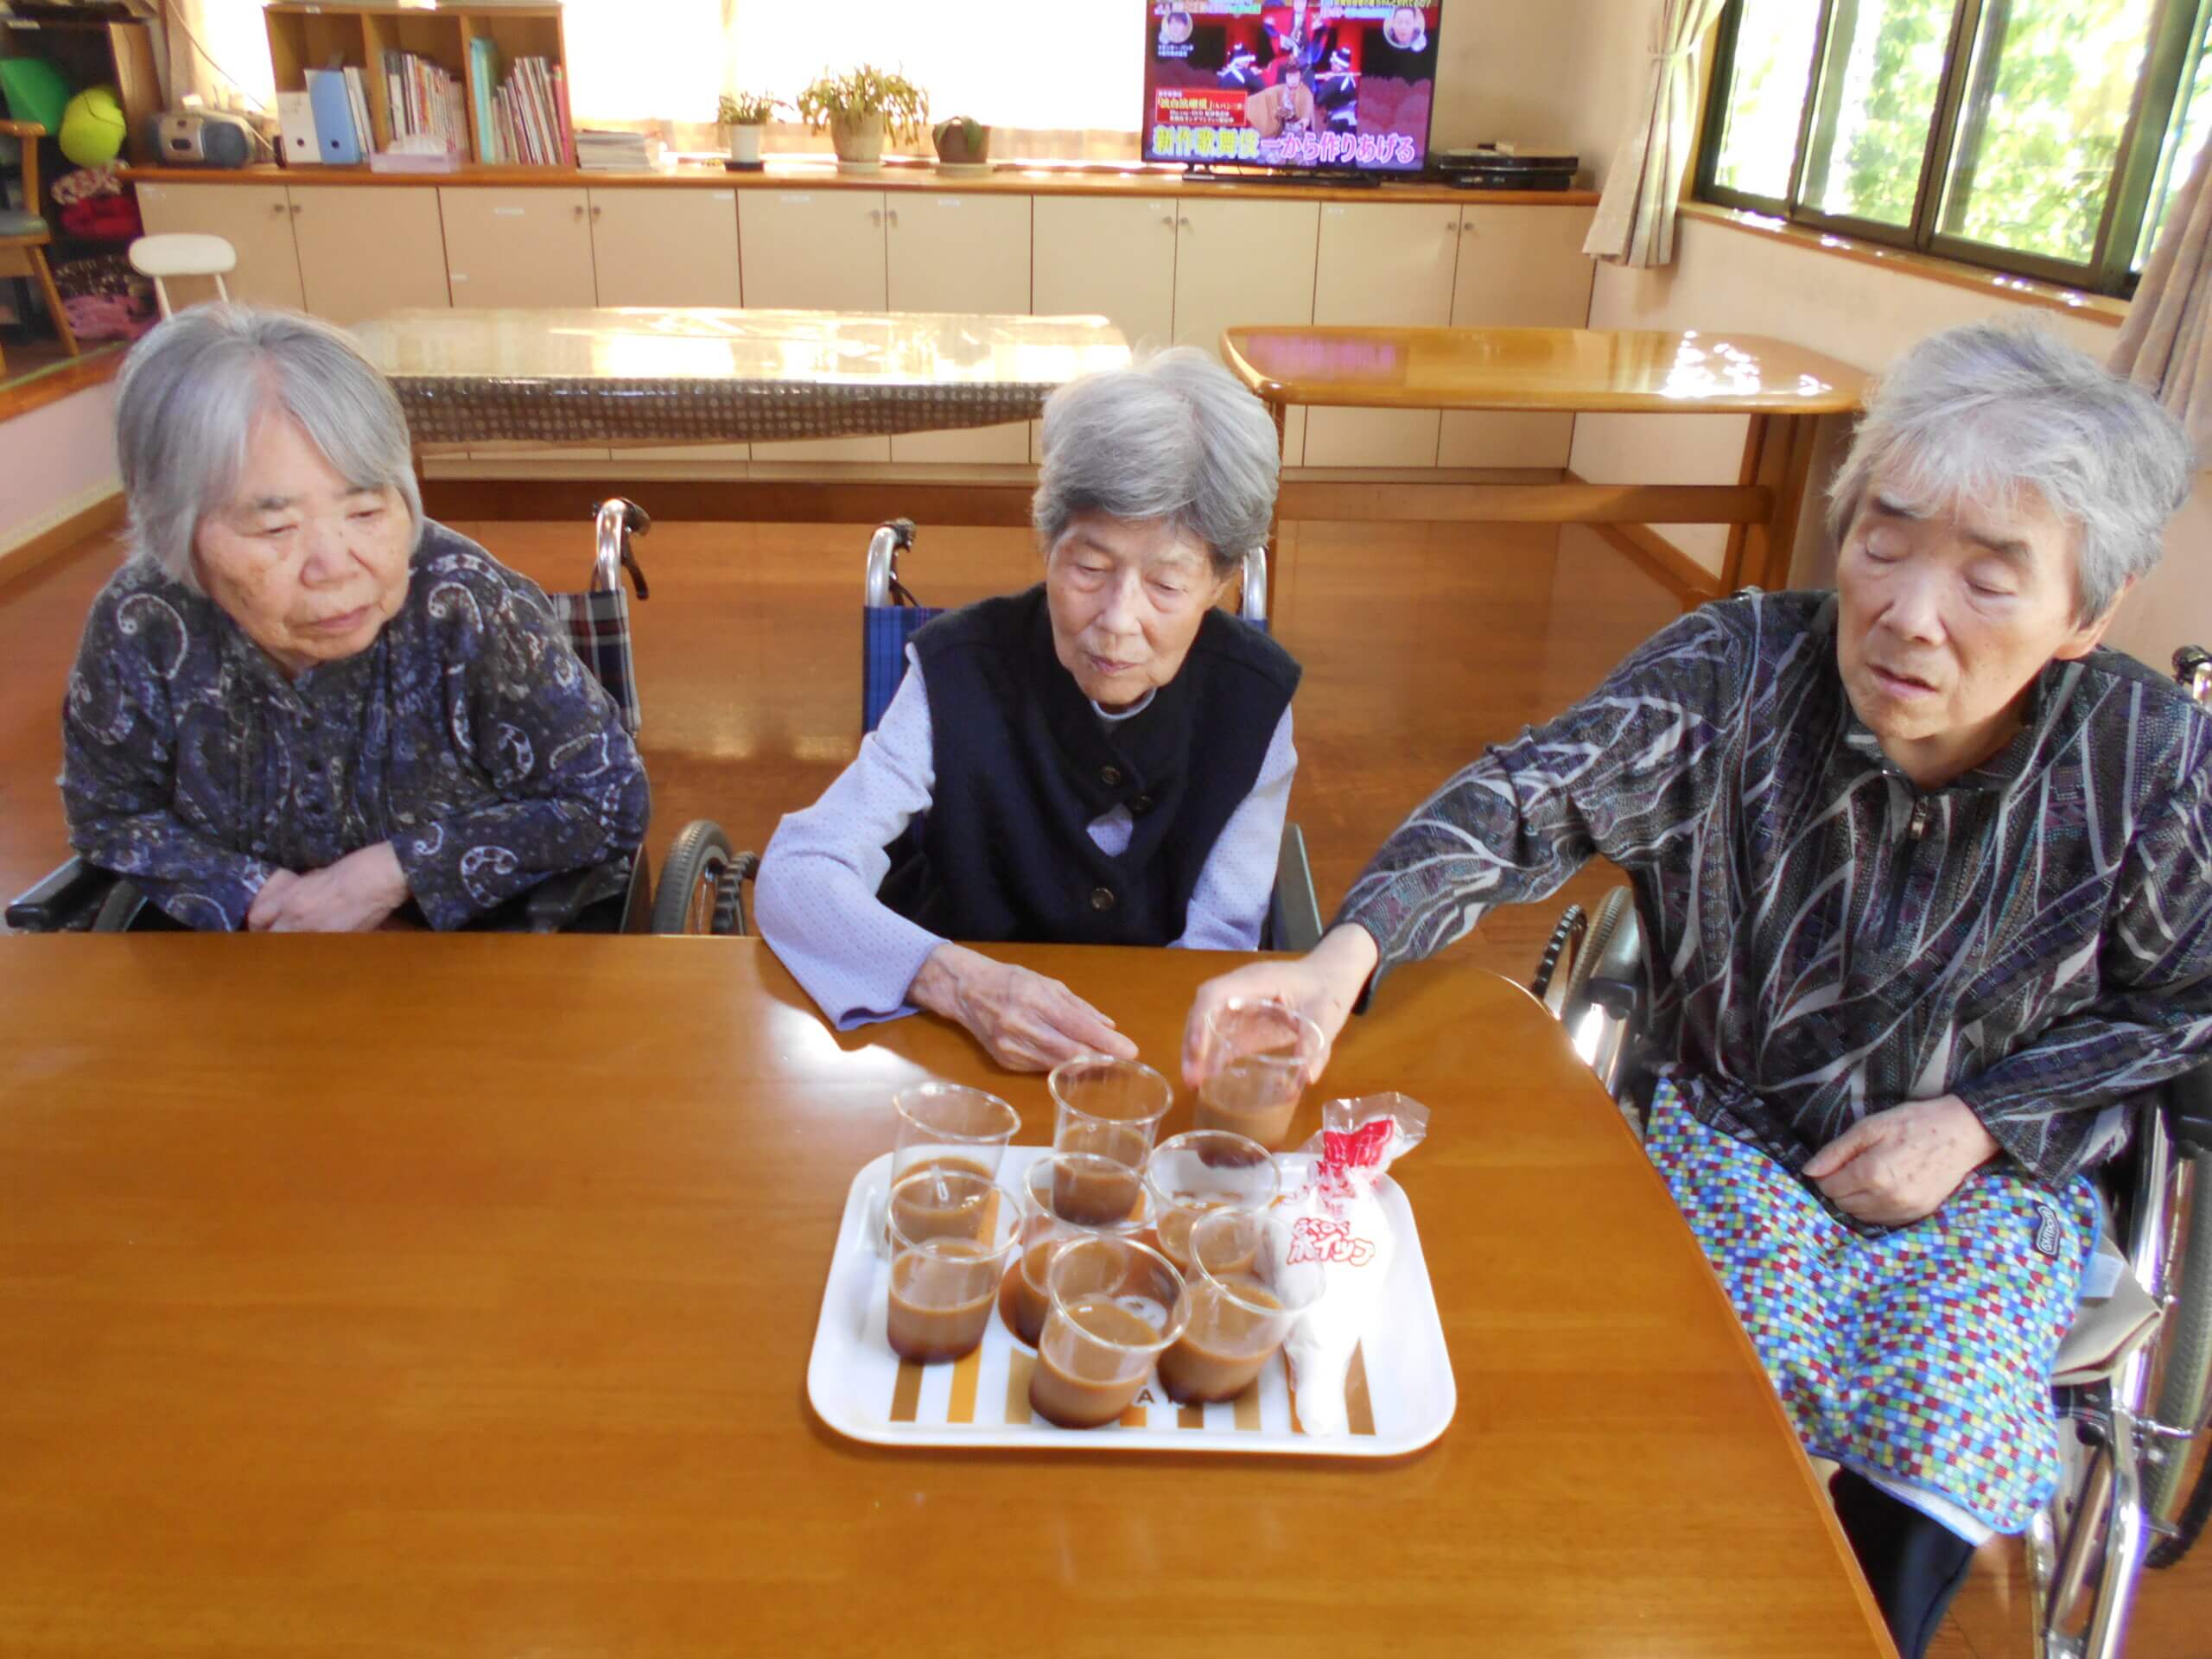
(469, 735)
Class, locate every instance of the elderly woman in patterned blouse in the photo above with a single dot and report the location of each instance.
(1923, 873)
(299, 706)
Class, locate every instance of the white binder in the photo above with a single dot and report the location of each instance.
(295, 117)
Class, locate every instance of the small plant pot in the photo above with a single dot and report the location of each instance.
(744, 146)
(858, 141)
(962, 148)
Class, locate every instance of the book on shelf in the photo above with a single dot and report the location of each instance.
(615, 152)
(425, 102)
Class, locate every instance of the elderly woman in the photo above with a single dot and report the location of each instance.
(1921, 875)
(1105, 759)
(299, 706)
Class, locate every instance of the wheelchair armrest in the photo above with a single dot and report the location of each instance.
(2189, 1109)
(1294, 912)
(555, 904)
(65, 901)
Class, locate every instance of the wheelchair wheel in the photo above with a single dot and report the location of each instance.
(700, 889)
(2187, 1381)
(1562, 952)
(1618, 906)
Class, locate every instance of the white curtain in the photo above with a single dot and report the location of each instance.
(1634, 224)
(2166, 343)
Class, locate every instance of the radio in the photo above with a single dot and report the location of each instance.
(207, 138)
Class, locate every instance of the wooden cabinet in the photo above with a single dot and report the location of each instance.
(951, 252)
(1519, 268)
(668, 247)
(815, 250)
(254, 218)
(1245, 261)
(518, 247)
(1106, 258)
(365, 253)
(1381, 265)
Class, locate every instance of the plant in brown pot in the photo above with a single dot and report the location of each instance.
(860, 109)
(964, 146)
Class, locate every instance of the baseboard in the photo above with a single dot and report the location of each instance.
(54, 533)
(1674, 570)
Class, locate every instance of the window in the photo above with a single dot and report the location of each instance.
(2041, 137)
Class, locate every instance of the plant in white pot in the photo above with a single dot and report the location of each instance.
(860, 109)
(741, 118)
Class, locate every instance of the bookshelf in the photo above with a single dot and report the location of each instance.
(303, 37)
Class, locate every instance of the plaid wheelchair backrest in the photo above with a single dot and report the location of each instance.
(599, 627)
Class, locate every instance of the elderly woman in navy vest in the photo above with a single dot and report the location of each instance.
(1104, 758)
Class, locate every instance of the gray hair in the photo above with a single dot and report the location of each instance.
(1977, 412)
(1174, 437)
(187, 400)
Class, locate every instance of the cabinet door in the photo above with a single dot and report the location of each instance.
(667, 247)
(1245, 262)
(254, 218)
(525, 247)
(1106, 258)
(815, 250)
(948, 253)
(1380, 266)
(1520, 267)
(365, 251)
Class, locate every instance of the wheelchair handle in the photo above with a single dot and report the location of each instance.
(2193, 668)
(1254, 605)
(891, 538)
(616, 520)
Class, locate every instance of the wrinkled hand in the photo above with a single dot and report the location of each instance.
(355, 895)
(1898, 1165)
(1024, 1021)
(1322, 985)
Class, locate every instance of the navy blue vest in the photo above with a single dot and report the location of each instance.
(1024, 765)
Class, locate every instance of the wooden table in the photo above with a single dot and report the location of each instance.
(1783, 388)
(405, 1295)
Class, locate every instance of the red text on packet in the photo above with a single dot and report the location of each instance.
(1319, 1238)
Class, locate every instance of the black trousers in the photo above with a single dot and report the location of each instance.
(1914, 1564)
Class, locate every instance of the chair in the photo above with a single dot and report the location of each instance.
(2133, 1377)
(180, 254)
(617, 897)
(890, 617)
(24, 233)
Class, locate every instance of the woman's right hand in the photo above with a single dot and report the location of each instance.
(1024, 1021)
(1322, 985)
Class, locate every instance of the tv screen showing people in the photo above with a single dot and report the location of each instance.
(1309, 86)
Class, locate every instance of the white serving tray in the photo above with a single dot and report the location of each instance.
(862, 1389)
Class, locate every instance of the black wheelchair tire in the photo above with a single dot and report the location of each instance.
(2187, 1385)
(700, 853)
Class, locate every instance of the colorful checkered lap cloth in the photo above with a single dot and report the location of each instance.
(599, 627)
(1924, 1353)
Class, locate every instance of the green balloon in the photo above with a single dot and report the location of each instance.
(92, 127)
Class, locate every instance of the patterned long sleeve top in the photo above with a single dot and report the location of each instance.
(1824, 939)
(469, 735)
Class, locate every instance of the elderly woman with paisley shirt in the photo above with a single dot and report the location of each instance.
(299, 706)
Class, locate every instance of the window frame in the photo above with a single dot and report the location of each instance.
(2177, 26)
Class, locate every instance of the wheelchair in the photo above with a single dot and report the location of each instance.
(2133, 1377)
(701, 862)
(616, 897)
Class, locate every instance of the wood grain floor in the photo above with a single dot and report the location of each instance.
(1421, 644)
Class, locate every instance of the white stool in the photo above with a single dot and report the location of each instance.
(182, 255)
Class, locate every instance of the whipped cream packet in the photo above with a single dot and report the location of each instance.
(1339, 1223)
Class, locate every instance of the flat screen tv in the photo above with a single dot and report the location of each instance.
(1237, 83)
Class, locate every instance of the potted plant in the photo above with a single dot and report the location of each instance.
(963, 144)
(861, 108)
(741, 118)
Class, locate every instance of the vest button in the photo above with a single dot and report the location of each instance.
(1110, 775)
(1142, 803)
(1102, 899)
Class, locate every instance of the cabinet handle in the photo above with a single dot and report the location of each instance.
(596, 209)
(296, 210)
(578, 210)
(893, 217)
(875, 216)
(1183, 219)
(1168, 220)
(278, 208)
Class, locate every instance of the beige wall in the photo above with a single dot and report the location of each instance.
(1550, 72)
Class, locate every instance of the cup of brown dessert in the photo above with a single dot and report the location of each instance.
(1245, 1297)
(1202, 1170)
(952, 1233)
(1106, 1107)
(952, 1125)
(1066, 1195)
(1117, 1305)
(1255, 1060)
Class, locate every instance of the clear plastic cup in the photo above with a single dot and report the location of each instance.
(1256, 1059)
(1067, 1195)
(953, 1126)
(1108, 1107)
(1117, 1305)
(1246, 1296)
(952, 1233)
(1204, 1170)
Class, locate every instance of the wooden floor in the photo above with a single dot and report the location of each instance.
(1421, 644)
